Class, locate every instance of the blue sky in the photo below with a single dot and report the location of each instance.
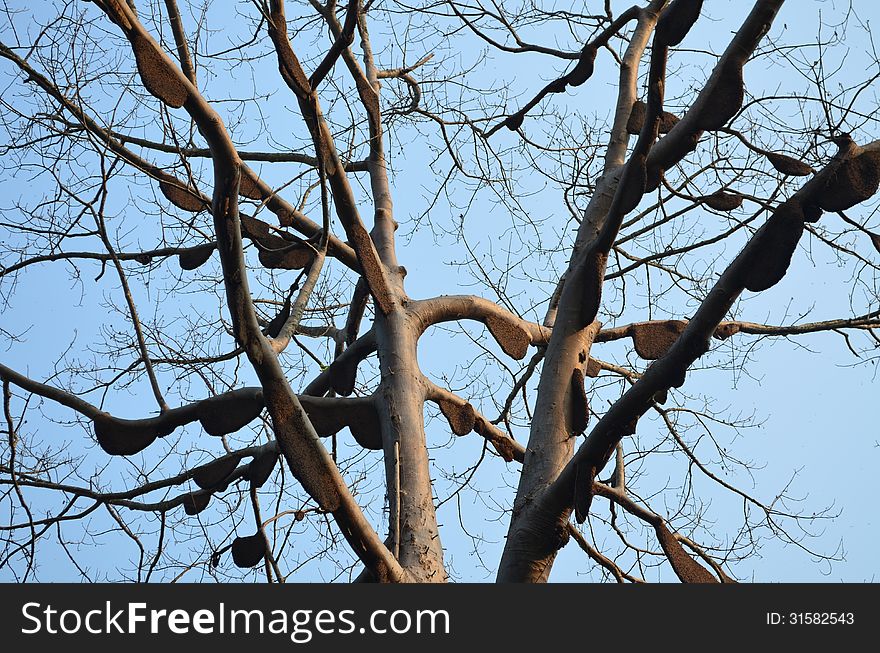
(813, 403)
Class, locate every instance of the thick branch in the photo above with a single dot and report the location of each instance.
(512, 333)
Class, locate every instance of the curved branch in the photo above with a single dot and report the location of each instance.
(143, 258)
(512, 333)
(521, 45)
(123, 498)
(219, 415)
(246, 155)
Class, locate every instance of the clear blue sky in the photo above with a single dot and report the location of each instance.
(815, 406)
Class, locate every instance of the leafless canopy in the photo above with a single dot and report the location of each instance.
(217, 364)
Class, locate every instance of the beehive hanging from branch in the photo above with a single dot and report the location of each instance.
(504, 445)
(776, 246)
(510, 336)
(579, 415)
(461, 416)
(184, 197)
(852, 182)
(583, 69)
(788, 165)
(677, 21)
(329, 415)
(723, 201)
(289, 256)
(195, 502)
(585, 475)
(590, 274)
(248, 186)
(260, 468)
(194, 257)
(121, 437)
(248, 551)
(229, 412)
(653, 339)
(594, 367)
(157, 72)
(212, 475)
(667, 122)
(275, 252)
(637, 119)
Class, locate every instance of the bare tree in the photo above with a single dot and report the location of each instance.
(218, 182)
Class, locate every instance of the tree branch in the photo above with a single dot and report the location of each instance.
(307, 458)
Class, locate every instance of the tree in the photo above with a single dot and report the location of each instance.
(205, 174)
